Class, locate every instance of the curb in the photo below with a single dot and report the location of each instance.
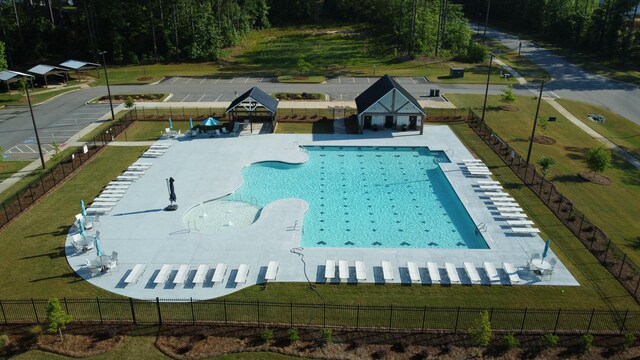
(159, 81)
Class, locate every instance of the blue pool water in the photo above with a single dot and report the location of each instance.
(389, 197)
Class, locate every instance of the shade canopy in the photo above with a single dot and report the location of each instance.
(79, 65)
(10, 75)
(43, 69)
(253, 98)
(210, 121)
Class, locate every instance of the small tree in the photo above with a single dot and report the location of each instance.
(586, 342)
(303, 65)
(293, 336)
(511, 341)
(56, 157)
(327, 336)
(598, 159)
(507, 97)
(129, 103)
(543, 123)
(480, 332)
(628, 341)
(57, 319)
(545, 165)
(550, 340)
(266, 335)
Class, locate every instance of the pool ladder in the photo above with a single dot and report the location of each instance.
(482, 227)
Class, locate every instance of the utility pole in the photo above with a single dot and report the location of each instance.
(535, 123)
(486, 90)
(106, 77)
(35, 128)
(486, 21)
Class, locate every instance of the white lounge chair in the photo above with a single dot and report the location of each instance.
(510, 209)
(414, 272)
(99, 210)
(505, 204)
(241, 275)
(361, 274)
(329, 269)
(343, 270)
(492, 273)
(163, 274)
(519, 222)
(218, 274)
(201, 274)
(513, 215)
(502, 199)
(512, 272)
(496, 194)
(272, 271)
(525, 230)
(490, 187)
(471, 161)
(135, 274)
(434, 272)
(488, 182)
(452, 273)
(181, 276)
(472, 273)
(387, 271)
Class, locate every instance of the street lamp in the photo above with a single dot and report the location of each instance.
(486, 21)
(106, 77)
(486, 90)
(535, 122)
(35, 129)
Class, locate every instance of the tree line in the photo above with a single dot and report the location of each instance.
(607, 28)
(148, 31)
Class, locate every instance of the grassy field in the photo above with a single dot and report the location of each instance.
(602, 204)
(8, 168)
(37, 96)
(621, 131)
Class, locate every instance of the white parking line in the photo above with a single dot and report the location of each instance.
(340, 96)
(245, 80)
(219, 96)
(175, 79)
(354, 79)
(188, 80)
(218, 79)
(261, 79)
(339, 82)
(185, 98)
(203, 80)
(202, 97)
(232, 80)
(413, 80)
(554, 94)
(369, 80)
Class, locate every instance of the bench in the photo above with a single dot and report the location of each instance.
(414, 273)
(434, 272)
(181, 276)
(141, 164)
(201, 274)
(502, 198)
(504, 204)
(241, 275)
(496, 194)
(343, 270)
(163, 274)
(135, 274)
(329, 269)
(218, 275)
(361, 274)
(272, 271)
(107, 195)
(387, 271)
(490, 187)
(471, 161)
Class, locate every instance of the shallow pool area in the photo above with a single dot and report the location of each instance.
(220, 216)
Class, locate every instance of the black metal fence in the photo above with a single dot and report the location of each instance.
(50, 178)
(611, 256)
(353, 317)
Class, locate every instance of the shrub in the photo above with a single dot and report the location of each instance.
(550, 340)
(510, 341)
(293, 336)
(480, 332)
(327, 336)
(380, 354)
(476, 53)
(4, 340)
(628, 341)
(586, 342)
(266, 335)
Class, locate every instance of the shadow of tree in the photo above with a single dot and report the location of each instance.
(567, 179)
(576, 153)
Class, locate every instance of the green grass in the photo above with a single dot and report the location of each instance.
(37, 96)
(613, 208)
(302, 79)
(318, 127)
(151, 130)
(529, 70)
(8, 168)
(33, 258)
(621, 131)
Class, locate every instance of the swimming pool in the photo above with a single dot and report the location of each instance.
(388, 197)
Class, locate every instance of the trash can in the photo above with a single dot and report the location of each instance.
(552, 118)
(432, 92)
(436, 92)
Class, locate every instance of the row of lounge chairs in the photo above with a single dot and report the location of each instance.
(116, 189)
(509, 210)
(200, 275)
(475, 168)
(157, 150)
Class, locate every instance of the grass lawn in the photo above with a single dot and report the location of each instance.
(613, 208)
(621, 131)
(529, 70)
(151, 130)
(8, 168)
(37, 96)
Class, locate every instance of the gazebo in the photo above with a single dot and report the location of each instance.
(253, 104)
(81, 66)
(10, 76)
(386, 104)
(46, 70)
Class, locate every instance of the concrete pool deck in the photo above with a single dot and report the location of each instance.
(140, 231)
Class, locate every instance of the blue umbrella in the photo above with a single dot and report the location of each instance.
(546, 248)
(81, 225)
(82, 208)
(190, 123)
(170, 123)
(97, 243)
(210, 122)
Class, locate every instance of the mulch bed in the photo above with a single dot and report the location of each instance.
(544, 140)
(145, 78)
(510, 108)
(595, 178)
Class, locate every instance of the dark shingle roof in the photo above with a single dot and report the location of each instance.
(258, 95)
(379, 89)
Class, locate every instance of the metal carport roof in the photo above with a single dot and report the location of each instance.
(43, 69)
(79, 65)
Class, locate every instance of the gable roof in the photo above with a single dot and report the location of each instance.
(258, 95)
(378, 90)
(79, 65)
(8, 75)
(43, 69)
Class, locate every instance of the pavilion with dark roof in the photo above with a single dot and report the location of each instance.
(254, 105)
(48, 70)
(387, 105)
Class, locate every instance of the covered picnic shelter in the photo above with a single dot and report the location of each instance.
(253, 105)
(386, 104)
(10, 76)
(83, 66)
(49, 70)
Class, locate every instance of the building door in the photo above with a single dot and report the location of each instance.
(413, 120)
(367, 122)
(388, 121)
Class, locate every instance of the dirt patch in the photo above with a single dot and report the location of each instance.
(79, 345)
(544, 140)
(510, 108)
(595, 178)
(145, 78)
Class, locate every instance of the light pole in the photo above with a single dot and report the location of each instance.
(535, 122)
(486, 90)
(35, 129)
(106, 77)
(486, 21)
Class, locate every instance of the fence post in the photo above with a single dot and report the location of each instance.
(99, 310)
(491, 314)
(4, 207)
(133, 312)
(35, 312)
(424, 317)
(357, 317)
(390, 316)
(324, 316)
(66, 306)
(224, 304)
(159, 312)
(4, 316)
(193, 314)
(557, 320)
(524, 316)
(580, 228)
(257, 301)
(624, 321)
(455, 329)
(622, 265)
(560, 202)
(590, 320)
(637, 285)
(291, 313)
(606, 252)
